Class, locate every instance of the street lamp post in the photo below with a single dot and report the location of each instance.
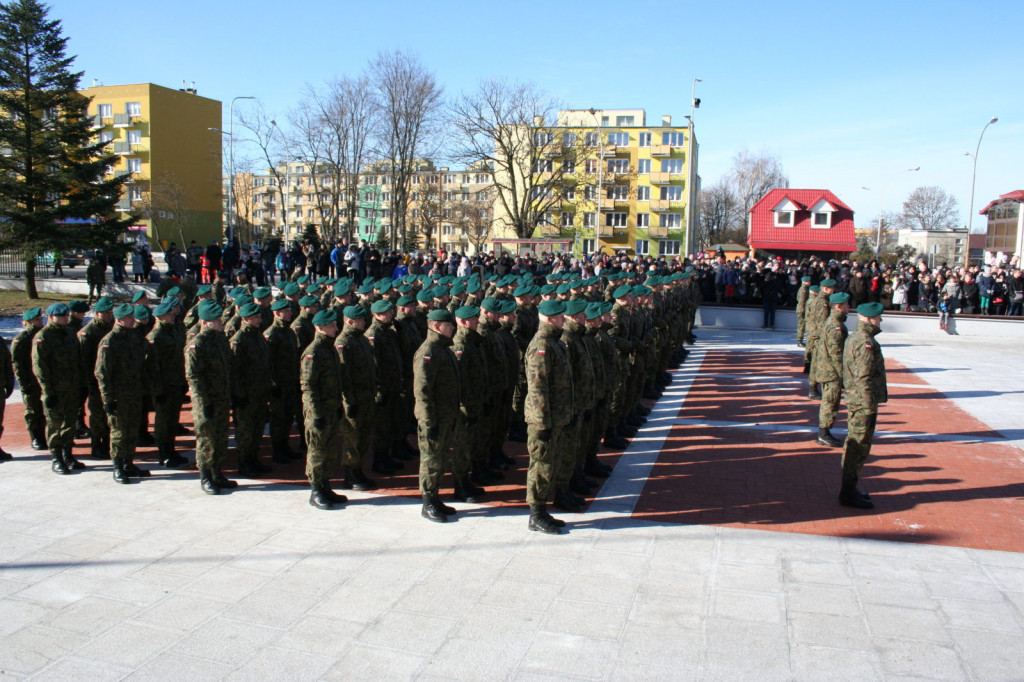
(974, 174)
(231, 163)
(600, 176)
(881, 208)
(691, 179)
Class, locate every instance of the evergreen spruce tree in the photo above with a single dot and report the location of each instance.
(52, 169)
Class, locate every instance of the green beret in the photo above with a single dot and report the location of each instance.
(300, 280)
(623, 291)
(492, 278)
(467, 311)
(594, 311)
(249, 309)
(473, 286)
(124, 310)
(523, 290)
(815, 288)
(440, 315)
(354, 312)
(578, 284)
(139, 295)
(103, 305)
(307, 301)
(384, 286)
(836, 299)
(314, 289)
(553, 277)
(641, 290)
(564, 288)
(324, 318)
(173, 300)
(236, 292)
(492, 305)
(575, 307)
(551, 308)
(406, 300)
(369, 280)
(409, 279)
(870, 309)
(606, 307)
(283, 303)
(141, 313)
(439, 292)
(329, 281)
(242, 300)
(204, 290)
(548, 289)
(165, 307)
(290, 289)
(262, 292)
(458, 289)
(365, 290)
(805, 278)
(173, 291)
(508, 306)
(78, 306)
(58, 309)
(827, 283)
(210, 310)
(342, 289)
(424, 296)
(31, 314)
(382, 306)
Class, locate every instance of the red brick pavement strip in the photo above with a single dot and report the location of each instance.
(948, 493)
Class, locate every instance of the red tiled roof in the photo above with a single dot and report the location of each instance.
(1016, 195)
(764, 235)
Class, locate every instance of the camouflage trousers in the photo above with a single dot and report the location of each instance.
(617, 404)
(249, 424)
(358, 436)
(544, 460)
(519, 401)
(61, 413)
(97, 417)
(285, 410)
(468, 443)
(166, 418)
(566, 456)
(800, 326)
(387, 426)
(35, 420)
(501, 420)
(830, 393)
(599, 426)
(860, 433)
(321, 448)
(435, 455)
(124, 431)
(211, 433)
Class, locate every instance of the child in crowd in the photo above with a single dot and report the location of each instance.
(944, 311)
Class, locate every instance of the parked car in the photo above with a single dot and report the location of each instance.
(69, 259)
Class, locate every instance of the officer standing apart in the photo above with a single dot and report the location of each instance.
(828, 366)
(436, 389)
(320, 383)
(56, 363)
(548, 411)
(864, 381)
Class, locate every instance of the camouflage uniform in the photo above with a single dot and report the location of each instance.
(828, 366)
(208, 370)
(57, 365)
(864, 382)
(801, 311)
(522, 331)
(89, 342)
(469, 437)
(21, 356)
(388, 422)
(624, 345)
(436, 390)
(549, 408)
(583, 399)
(165, 370)
(304, 329)
(285, 397)
(358, 388)
(817, 313)
(409, 339)
(250, 392)
(120, 364)
(320, 380)
(497, 374)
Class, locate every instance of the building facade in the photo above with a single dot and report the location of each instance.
(794, 223)
(937, 247)
(163, 141)
(1005, 231)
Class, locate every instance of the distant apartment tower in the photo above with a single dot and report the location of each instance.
(162, 139)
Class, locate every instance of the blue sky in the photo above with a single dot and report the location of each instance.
(846, 94)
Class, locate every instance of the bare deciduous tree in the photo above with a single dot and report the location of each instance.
(474, 218)
(931, 208)
(718, 215)
(751, 177)
(270, 142)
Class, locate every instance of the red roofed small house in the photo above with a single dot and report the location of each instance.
(793, 223)
(1005, 233)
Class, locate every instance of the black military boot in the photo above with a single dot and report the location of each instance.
(432, 509)
(58, 464)
(120, 474)
(39, 440)
(100, 447)
(336, 498)
(465, 491)
(172, 460)
(280, 455)
(355, 479)
(849, 496)
(133, 470)
(383, 464)
(319, 498)
(566, 501)
(595, 467)
(814, 392)
(542, 522)
(223, 481)
(5, 456)
(70, 459)
(82, 431)
(613, 441)
(448, 511)
(208, 482)
(826, 438)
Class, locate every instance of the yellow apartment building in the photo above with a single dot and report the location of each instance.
(162, 139)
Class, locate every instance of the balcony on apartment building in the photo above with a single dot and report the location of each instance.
(655, 231)
(662, 205)
(665, 177)
(130, 149)
(122, 120)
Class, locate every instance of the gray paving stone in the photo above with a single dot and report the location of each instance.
(36, 646)
(825, 630)
(998, 617)
(894, 593)
(748, 606)
(374, 664)
(270, 607)
(469, 659)
(320, 635)
(182, 612)
(70, 667)
(819, 572)
(170, 666)
(224, 641)
(990, 656)
(567, 655)
(593, 621)
(129, 644)
(271, 663)
(926, 660)
(598, 590)
(496, 624)
(836, 601)
(824, 663)
(416, 633)
(748, 577)
(650, 607)
(91, 615)
(915, 624)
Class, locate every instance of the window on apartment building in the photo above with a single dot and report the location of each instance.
(618, 165)
(415, 179)
(464, 196)
(673, 139)
(448, 214)
(543, 166)
(643, 193)
(589, 219)
(106, 136)
(615, 219)
(413, 196)
(645, 139)
(605, 121)
(569, 194)
(822, 219)
(672, 193)
(642, 247)
(568, 167)
(624, 120)
(568, 139)
(672, 166)
(105, 110)
(567, 218)
(591, 166)
(385, 213)
(643, 219)
(134, 137)
(134, 194)
(643, 166)
(618, 193)
(589, 245)
(415, 213)
(668, 247)
(369, 180)
(618, 139)
(783, 219)
(671, 220)
(134, 165)
(447, 230)
(590, 193)
(133, 108)
(451, 179)
(481, 178)
(590, 139)
(542, 137)
(540, 192)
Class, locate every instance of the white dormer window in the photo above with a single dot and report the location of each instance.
(821, 214)
(785, 213)
(783, 219)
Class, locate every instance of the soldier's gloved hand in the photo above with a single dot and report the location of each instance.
(208, 411)
(110, 408)
(51, 402)
(588, 415)
(160, 399)
(544, 435)
(242, 402)
(319, 423)
(433, 432)
(353, 411)
(275, 391)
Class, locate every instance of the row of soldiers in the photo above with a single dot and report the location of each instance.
(252, 357)
(837, 362)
